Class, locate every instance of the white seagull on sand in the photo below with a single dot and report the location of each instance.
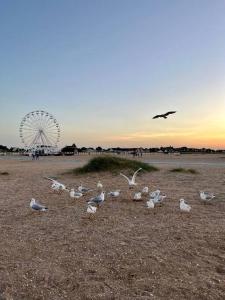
(98, 199)
(150, 203)
(74, 194)
(206, 197)
(158, 199)
(155, 194)
(184, 206)
(131, 181)
(137, 196)
(91, 209)
(83, 189)
(114, 194)
(37, 206)
(99, 185)
(145, 190)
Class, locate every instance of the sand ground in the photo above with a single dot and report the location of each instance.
(126, 252)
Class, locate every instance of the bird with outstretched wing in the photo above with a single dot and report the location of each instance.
(164, 115)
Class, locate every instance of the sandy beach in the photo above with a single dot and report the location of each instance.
(126, 251)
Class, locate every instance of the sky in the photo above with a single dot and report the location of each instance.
(104, 68)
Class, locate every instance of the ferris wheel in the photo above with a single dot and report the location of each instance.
(39, 129)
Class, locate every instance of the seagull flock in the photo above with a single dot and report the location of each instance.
(94, 203)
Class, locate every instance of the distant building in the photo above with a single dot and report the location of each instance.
(70, 150)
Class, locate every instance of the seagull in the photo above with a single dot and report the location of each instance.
(155, 194)
(184, 206)
(158, 199)
(98, 199)
(56, 185)
(137, 196)
(164, 115)
(131, 181)
(91, 209)
(150, 203)
(114, 194)
(145, 190)
(74, 194)
(206, 197)
(99, 185)
(37, 206)
(84, 190)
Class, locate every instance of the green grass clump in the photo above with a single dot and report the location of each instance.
(182, 170)
(4, 173)
(112, 164)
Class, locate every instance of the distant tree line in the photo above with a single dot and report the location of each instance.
(73, 149)
(11, 149)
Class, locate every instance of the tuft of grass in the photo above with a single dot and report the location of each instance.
(112, 164)
(4, 173)
(182, 170)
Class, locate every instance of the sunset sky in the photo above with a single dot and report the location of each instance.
(104, 68)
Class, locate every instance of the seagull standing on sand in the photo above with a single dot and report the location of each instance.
(99, 185)
(158, 199)
(184, 206)
(131, 181)
(145, 190)
(98, 199)
(155, 194)
(150, 203)
(137, 196)
(37, 206)
(114, 194)
(83, 190)
(74, 194)
(91, 209)
(206, 197)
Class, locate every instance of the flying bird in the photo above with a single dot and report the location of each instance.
(37, 206)
(56, 185)
(164, 115)
(131, 181)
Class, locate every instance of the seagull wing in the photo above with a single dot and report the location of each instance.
(169, 113)
(38, 206)
(53, 180)
(125, 177)
(157, 116)
(135, 174)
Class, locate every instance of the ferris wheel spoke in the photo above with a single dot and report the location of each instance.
(34, 141)
(25, 128)
(27, 136)
(47, 139)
